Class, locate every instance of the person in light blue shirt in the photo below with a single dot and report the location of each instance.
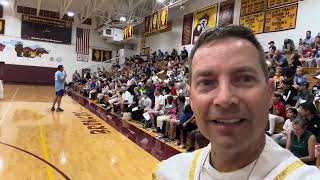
(309, 39)
(60, 77)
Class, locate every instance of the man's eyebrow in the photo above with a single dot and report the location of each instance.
(244, 69)
(204, 73)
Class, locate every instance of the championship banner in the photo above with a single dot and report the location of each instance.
(281, 18)
(276, 3)
(128, 32)
(44, 29)
(163, 18)
(204, 19)
(226, 12)
(252, 6)
(99, 55)
(2, 26)
(154, 26)
(147, 24)
(254, 22)
(187, 29)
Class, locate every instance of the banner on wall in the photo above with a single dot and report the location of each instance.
(154, 26)
(204, 19)
(2, 26)
(226, 12)
(252, 6)
(147, 24)
(163, 18)
(82, 57)
(277, 3)
(280, 19)
(99, 55)
(128, 32)
(255, 22)
(187, 29)
(44, 29)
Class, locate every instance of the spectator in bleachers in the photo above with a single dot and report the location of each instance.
(289, 93)
(281, 61)
(272, 49)
(169, 112)
(295, 61)
(277, 79)
(172, 122)
(303, 94)
(75, 76)
(158, 109)
(184, 54)
(299, 78)
(278, 114)
(310, 118)
(309, 39)
(126, 99)
(301, 143)
(183, 126)
(173, 90)
(281, 138)
(288, 46)
(174, 53)
(160, 55)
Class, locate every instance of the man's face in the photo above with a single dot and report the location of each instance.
(308, 34)
(303, 112)
(229, 93)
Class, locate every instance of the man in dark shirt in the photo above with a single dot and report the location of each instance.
(289, 92)
(272, 48)
(184, 53)
(311, 120)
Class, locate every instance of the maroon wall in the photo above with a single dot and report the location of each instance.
(28, 74)
(1, 70)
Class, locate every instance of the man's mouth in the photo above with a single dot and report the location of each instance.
(228, 121)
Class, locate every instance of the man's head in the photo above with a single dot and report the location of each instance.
(292, 113)
(307, 109)
(181, 100)
(286, 84)
(230, 90)
(271, 43)
(308, 34)
(60, 68)
(277, 54)
(303, 87)
(276, 97)
(298, 127)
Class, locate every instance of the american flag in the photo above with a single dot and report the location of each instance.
(82, 41)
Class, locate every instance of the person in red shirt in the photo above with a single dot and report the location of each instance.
(278, 113)
(173, 90)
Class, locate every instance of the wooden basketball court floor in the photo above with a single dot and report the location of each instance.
(83, 142)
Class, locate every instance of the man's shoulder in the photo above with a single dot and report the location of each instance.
(176, 167)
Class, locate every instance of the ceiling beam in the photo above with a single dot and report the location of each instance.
(38, 7)
(65, 7)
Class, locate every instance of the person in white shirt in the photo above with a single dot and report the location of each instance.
(282, 137)
(126, 98)
(230, 96)
(158, 109)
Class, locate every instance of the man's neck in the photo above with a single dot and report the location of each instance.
(226, 160)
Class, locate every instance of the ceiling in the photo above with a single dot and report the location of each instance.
(104, 12)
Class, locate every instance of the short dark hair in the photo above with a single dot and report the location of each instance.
(182, 99)
(309, 107)
(293, 110)
(229, 31)
(60, 67)
(309, 31)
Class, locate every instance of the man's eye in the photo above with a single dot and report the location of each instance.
(245, 80)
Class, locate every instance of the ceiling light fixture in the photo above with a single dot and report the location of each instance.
(123, 19)
(70, 14)
(4, 2)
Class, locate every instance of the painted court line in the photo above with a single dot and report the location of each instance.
(45, 151)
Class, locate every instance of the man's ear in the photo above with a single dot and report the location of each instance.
(271, 89)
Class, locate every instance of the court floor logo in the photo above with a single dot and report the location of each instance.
(92, 124)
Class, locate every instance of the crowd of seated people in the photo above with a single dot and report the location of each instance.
(294, 104)
(153, 91)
